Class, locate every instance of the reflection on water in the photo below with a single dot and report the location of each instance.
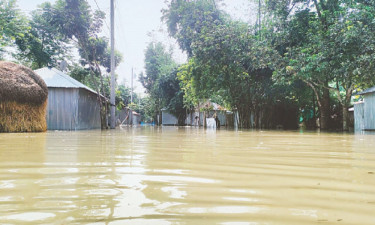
(187, 176)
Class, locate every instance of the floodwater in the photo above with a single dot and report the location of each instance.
(191, 176)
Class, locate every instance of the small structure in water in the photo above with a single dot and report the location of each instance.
(211, 123)
(128, 117)
(168, 119)
(23, 99)
(198, 116)
(71, 104)
(364, 112)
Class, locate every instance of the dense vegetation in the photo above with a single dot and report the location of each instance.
(49, 37)
(303, 57)
(301, 60)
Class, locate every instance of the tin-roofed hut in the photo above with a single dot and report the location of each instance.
(23, 98)
(364, 112)
(71, 104)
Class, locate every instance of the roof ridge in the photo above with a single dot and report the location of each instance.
(66, 77)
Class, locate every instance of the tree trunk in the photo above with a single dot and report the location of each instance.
(345, 118)
(325, 110)
(256, 117)
(244, 117)
(191, 116)
(103, 115)
(204, 119)
(160, 118)
(314, 111)
(199, 115)
(345, 107)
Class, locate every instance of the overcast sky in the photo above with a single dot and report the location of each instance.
(137, 23)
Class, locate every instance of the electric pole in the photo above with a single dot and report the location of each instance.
(112, 98)
(131, 95)
(260, 19)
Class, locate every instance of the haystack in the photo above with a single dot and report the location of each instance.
(23, 99)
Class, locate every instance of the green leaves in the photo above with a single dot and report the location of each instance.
(160, 81)
(187, 19)
(13, 24)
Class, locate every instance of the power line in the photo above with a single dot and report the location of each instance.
(120, 26)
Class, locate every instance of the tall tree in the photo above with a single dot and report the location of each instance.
(187, 19)
(333, 54)
(160, 82)
(13, 24)
(227, 58)
(75, 20)
(42, 44)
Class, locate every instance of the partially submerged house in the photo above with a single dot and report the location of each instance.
(127, 116)
(207, 109)
(71, 104)
(168, 119)
(211, 110)
(364, 112)
(136, 118)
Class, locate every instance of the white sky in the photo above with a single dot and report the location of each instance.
(137, 22)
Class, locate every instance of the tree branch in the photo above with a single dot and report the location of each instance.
(315, 91)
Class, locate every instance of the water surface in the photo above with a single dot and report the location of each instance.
(187, 176)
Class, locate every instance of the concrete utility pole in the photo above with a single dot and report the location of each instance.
(260, 18)
(112, 100)
(131, 94)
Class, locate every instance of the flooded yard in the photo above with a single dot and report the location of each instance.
(191, 176)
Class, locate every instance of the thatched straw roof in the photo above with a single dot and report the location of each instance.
(20, 84)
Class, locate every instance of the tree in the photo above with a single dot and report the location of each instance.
(187, 19)
(333, 54)
(160, 82)
(123, 96)
(172, 95)
(227, 58)
(42, 44)
(75, 20)
(12, 24)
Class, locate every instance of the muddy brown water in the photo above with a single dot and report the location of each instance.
(187, 176)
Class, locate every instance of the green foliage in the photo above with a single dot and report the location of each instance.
(42, 44)
(160, 82)
(187, 19)
(331, 47)
(145, 107)
(192, 93)
(158, 62)
(227, 58)
(172, 96)
(13, 24)
(123, 96)
(75, 19)
(79, 73)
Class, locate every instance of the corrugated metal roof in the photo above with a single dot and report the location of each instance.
(58, 79)
(214, 105)
(367, 91)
